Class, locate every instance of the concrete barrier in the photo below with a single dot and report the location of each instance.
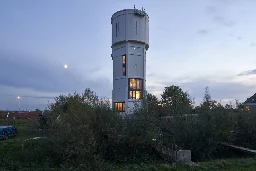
(180, 156)
(183, 156)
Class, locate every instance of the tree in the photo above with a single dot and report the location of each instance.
(176, 101)
(153, 105)
(207, 100)
(208, 103)
(239, 105)
(88, 132)
(2, 114)
(207, 96)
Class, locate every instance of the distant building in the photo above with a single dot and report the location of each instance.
(250, 104)
(25, 115)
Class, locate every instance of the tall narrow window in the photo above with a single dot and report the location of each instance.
(136, 28)
(124, 65)
(135, 88)
(120, 106)
(116, 29)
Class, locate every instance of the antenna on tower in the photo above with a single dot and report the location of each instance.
(134, 6)
(142, 9)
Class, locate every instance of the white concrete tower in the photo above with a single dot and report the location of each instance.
(130, 41)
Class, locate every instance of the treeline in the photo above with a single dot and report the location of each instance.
(87, 134)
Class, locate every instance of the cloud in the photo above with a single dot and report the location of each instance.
(224, 21)
(253, 44)
(33, 72)
(239, 38)
(219, 90)
(37, 80)
(249, 72)
(217, 10)
(203, 32)
(211, 10)
(29, 99)
(150, 75)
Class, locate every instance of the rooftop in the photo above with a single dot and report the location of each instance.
(252, 99)
(135, 10)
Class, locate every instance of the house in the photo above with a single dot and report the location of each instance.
(250, 104)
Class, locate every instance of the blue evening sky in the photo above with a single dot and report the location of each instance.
(193, 44)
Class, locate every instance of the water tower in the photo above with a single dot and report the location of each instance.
(130, 41)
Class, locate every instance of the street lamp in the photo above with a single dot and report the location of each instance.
(19, 102)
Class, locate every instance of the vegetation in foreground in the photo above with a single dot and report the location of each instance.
(241, 164)
(86, 134)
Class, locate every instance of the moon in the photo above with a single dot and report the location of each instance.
(65, 66)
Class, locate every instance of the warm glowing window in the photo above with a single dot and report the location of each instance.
(120, 106)
(138, 84)
(123, 59)
(135, 83)
(247, 108)
(135, 88)
(135, 94)
(124, 65)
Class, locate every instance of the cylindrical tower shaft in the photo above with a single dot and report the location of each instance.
(130, 41)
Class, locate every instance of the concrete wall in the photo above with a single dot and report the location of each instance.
(124, 27)
(180, 156)
(183, 156)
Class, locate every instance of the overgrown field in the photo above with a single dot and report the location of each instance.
(17, 153)
(241, 164)
(34, 156)
(84, 133)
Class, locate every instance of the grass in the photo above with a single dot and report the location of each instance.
(34, 155)
(241, 164)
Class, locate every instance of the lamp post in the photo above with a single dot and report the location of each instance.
(19, 102)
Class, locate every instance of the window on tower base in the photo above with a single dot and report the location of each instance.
(135, 88)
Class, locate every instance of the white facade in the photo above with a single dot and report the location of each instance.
(130, 41)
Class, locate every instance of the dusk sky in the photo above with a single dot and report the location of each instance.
(193, 44)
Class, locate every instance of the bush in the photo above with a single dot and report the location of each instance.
(87, 132)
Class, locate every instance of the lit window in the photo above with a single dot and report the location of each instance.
(138, 84)
(135, 94)
(120, 106)
(123, 59)
(131, 95)
(132, 84)
(124, 65)
(138, 94)
(135, 88)
(247, 108)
